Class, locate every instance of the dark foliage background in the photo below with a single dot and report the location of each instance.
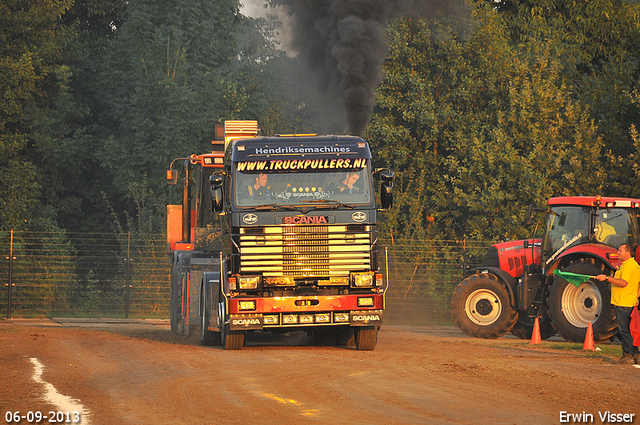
(482, 107)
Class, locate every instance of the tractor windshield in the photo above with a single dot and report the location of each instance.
(566, 225)
(615, 226)
(570, 225)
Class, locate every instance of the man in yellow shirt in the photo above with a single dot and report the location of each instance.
(624, 295)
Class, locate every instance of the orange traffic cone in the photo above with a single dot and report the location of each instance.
(535, 335)
(588, 339)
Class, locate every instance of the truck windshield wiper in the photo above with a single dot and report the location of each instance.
(274, 207)
(332, 203)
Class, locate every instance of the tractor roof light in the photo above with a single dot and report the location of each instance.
(597, 201)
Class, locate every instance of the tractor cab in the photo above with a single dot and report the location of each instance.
(573, 221)
(516, 283)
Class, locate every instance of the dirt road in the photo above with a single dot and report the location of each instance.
(139, 373)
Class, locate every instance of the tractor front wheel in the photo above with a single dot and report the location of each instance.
(480, 307)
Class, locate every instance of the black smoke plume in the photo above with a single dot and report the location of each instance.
(343, 43)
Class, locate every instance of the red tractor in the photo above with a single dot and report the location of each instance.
(515, 283)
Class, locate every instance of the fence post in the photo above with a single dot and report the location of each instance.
(128, 276)
(10, 285)
(464, 258)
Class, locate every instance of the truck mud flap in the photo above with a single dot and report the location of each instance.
(240, 322)
(365, 318)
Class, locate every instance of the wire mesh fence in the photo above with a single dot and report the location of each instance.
(127, 276)
(422, 276)
(84, 275)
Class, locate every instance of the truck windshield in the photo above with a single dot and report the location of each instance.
(302, 188)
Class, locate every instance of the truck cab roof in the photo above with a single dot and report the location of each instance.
(283, 147)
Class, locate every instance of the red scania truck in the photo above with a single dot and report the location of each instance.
(281, 235)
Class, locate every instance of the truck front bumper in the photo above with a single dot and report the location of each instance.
(257, 321)
(277, 312)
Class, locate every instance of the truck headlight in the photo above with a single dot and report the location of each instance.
(249, 282)
(362, 280)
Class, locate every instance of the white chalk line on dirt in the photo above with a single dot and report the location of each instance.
(62, 402)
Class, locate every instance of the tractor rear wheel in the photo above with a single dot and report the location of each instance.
(572, 308)
(481, 307)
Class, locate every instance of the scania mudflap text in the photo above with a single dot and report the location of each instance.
(515, 283)
(284, 238)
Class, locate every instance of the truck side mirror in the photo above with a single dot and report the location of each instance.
(386, 188)
(172, 177)
(387, 175)
(386, 195)
(217, 195)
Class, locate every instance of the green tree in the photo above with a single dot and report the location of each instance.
(601, 29)
(169, 74)
(632, 161)
(31, 40)
(478, 129)
(66, 131)
(605, 38)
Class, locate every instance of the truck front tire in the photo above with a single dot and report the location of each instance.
(480, 307)
(230, 340)
(366, 337)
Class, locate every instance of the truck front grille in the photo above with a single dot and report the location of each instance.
(306, 251)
